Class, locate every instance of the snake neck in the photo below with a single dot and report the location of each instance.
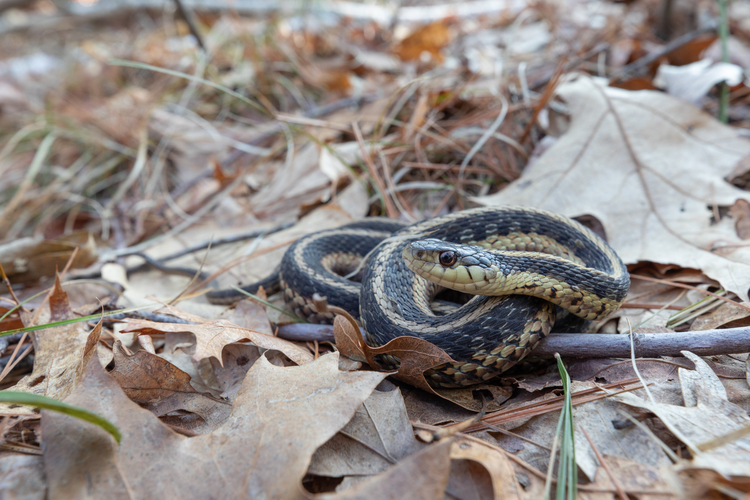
(585, 292)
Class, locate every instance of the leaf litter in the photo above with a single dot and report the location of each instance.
(314, 120)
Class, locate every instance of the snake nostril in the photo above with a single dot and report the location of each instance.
(420, 254)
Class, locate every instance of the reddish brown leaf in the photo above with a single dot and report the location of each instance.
(161, 387)
(417, 356)
(430, 38)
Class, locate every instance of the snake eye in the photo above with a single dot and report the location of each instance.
(448, 258)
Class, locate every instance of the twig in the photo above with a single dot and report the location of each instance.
(572, 64)
(599, 457)
(6, 281)
(588, 345)
(645, 305)
(635, 365)
(239, 260)
(219, 242)
(724, 37)
(705, 343)
(548, 91)
(306, 332)
(188, 18)
(556, 403)
(648, 59)
(486, 135)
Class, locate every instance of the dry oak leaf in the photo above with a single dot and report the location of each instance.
(379, 435)
(161, 387)
(707, 424)
(650, 167)
(28, 259)
(60, 353)
(280, 417)
(420, 476)
(212, 336)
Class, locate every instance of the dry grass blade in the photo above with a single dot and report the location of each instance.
(390, 208)
(556, 403)
(690, 287)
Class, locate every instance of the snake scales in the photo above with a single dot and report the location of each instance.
(526, 261)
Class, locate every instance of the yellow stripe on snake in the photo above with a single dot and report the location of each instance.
(520, 262)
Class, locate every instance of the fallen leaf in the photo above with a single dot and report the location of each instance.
(725, 316)
(177, 350)
(310, 185)
(280, 417)
(645, 482)
(691, 51)
(237, 361)
(194, 145)
(416, 356)
(378, 436)
(706, 416)
(646, 164)
(60, 353)
(11, 322)
(162, 388)
(597, 418)
(250, 315)
(501, 474)
(28, 259)
(22, 477)
(430, 38)
(423, 475)
(692, 82)
(431, 409)
(212, 336)
(637, 83)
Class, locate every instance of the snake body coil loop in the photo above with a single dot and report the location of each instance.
(526, 261)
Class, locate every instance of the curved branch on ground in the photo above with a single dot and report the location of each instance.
(588, 345)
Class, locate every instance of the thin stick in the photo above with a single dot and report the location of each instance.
(188, 18)
(600, 345)
(7, 283)
(599, 457)
(648, 345)
(646, 60)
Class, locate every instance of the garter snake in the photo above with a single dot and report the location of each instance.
(529, 261)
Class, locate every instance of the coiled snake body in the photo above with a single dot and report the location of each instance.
(523, 261)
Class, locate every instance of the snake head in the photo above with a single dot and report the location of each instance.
(460, 267)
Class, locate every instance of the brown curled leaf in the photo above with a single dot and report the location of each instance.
(417, 356)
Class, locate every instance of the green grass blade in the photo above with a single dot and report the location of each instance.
(179, 74)
(567, 474)
(71, 321)
(23, 398)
